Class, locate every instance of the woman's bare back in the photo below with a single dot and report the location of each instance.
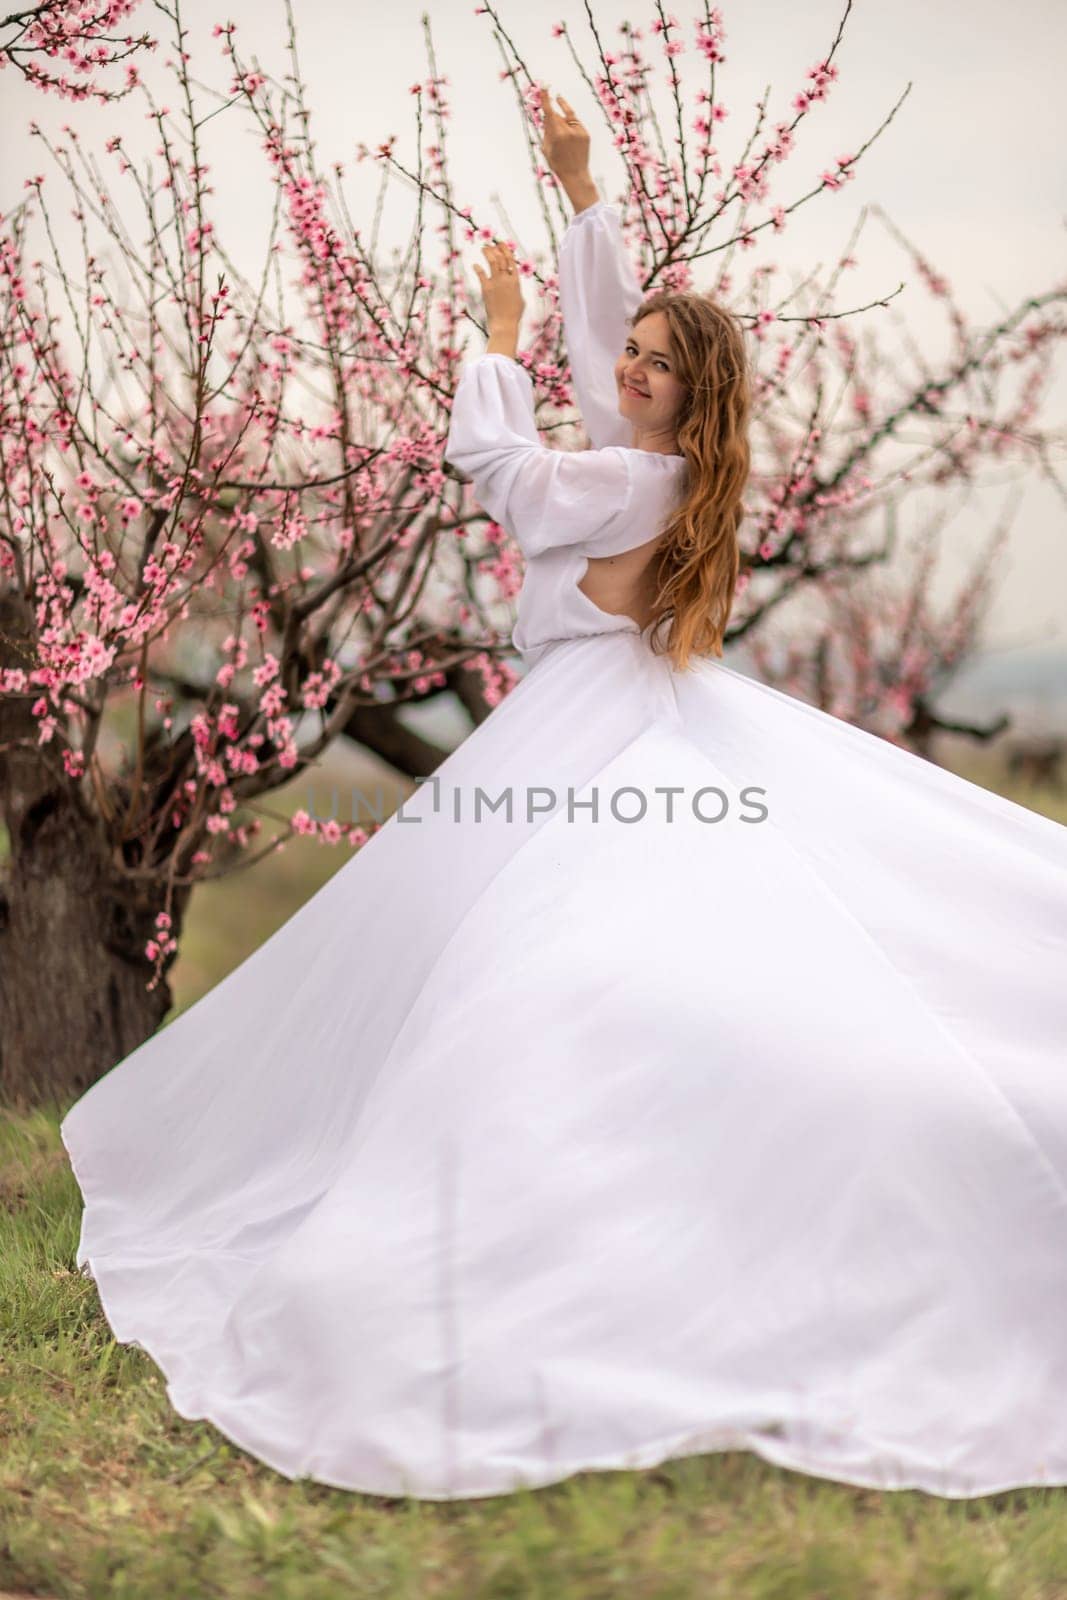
(623, 585)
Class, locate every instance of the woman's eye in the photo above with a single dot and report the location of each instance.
(662, 364)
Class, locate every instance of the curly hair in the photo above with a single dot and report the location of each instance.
(696, 566)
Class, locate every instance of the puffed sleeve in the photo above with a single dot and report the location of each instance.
(542, 497)
(598, 293)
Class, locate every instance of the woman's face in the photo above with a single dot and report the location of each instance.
(650, 392)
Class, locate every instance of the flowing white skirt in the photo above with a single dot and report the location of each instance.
(535, 1146)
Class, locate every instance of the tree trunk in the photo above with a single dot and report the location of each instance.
(73, 974)
(74, 999)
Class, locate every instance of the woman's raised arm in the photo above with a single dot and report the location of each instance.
(598, 294)
(545, 498)
(598, 288)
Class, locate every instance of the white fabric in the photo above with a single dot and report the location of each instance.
(560, 506)
(598, 295)
(564, 506)
(556, 1143)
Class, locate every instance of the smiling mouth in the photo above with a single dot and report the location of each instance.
(640, 393)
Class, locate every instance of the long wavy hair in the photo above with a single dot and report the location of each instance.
(696, 566)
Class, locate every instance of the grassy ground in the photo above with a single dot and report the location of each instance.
(106, 1492)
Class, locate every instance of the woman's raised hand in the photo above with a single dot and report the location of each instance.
(501, 290)
(564, 141)
(566, 148)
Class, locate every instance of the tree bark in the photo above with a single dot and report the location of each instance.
(74, 999)
(466, 684)
(74, 996)
(378, 730)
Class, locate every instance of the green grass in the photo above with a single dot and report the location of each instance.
(106, 1492)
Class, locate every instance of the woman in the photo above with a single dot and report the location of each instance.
(674, 387)
(691, 1077)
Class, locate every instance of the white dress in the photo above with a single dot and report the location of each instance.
(541, 1143)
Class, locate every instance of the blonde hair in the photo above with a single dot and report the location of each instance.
(696, 565)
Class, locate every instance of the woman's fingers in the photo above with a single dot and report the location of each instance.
(548, 108)
(500, 285)
(501, 257)
(564, 138)
(505, 256)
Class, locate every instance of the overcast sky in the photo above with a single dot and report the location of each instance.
(972, 169)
